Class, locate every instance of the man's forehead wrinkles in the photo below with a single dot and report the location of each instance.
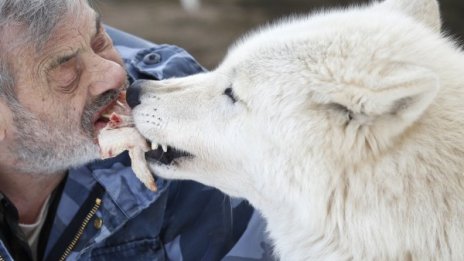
(62, 44)
(72, 35)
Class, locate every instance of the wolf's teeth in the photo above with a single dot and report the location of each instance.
(106, 116)
(164, 147)
(154, 145)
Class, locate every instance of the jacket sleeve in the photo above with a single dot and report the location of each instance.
(146, 60)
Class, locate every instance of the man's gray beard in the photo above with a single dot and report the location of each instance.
(50, 147)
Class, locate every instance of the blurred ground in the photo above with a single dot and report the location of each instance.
(207, 32)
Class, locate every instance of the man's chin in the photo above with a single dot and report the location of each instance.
(33, 163)
(80, 157)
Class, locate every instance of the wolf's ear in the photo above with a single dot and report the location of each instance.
(395, 91)
(424, 11)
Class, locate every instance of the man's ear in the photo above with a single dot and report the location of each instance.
(3, 120)
(424, 11)
(2, 128)
(396, 91)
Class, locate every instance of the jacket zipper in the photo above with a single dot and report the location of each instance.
(79, 233)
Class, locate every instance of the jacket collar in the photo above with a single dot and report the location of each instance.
(123, 197)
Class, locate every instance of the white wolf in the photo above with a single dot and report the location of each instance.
(344, 128)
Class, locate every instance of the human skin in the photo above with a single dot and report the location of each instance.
(62, 89)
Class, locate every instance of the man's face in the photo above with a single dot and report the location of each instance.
(62, 90)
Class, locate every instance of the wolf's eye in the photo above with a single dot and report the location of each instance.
(230, 93)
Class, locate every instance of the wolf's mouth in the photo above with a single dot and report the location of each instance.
(166, 155)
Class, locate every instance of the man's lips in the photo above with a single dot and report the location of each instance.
(118, 105)
(99, 120)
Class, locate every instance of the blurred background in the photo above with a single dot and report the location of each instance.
(205, 28)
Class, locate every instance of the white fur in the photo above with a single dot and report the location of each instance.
(347, 133)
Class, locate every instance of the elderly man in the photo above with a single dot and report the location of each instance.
(59, 71)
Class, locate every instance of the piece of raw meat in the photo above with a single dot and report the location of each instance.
(119, 135)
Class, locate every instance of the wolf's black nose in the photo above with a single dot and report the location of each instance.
(133, 94)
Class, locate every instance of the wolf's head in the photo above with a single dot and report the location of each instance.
(297, 97)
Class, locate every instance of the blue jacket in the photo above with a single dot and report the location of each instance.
(105, 213)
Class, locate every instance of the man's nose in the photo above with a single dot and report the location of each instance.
(106, 75)
(133, 93)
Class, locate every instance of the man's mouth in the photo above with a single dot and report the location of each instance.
(102, 117)
(166, 155)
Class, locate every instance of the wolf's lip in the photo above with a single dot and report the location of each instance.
(166, 157)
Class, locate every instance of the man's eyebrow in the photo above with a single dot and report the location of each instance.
(61, 59)
(67, 57)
